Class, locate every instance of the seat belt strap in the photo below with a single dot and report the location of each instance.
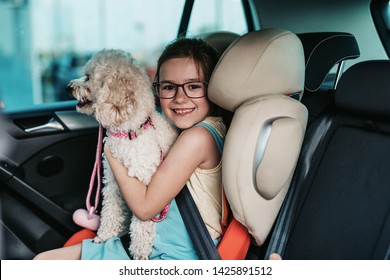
(201, 239)
(284, 221)
(196, 227)
(387, 257)
(235, 241)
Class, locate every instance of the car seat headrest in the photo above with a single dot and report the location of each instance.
(219, 40)
(365, 89)
(264, 62)
(323, 50)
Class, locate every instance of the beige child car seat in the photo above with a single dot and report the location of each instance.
(220, 40)
(255, 78)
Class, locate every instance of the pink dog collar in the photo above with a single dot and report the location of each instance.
(131, 136)
(163, 214)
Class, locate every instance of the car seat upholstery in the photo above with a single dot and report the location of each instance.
(343, 200)
(220, 40)
(253, 79)
(323, 51)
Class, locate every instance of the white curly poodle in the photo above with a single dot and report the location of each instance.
(118, 93)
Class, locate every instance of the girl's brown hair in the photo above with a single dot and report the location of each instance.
(204, 55)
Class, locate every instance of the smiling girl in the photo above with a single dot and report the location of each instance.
(183, 71)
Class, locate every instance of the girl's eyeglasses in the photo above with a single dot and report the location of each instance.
(168, 90)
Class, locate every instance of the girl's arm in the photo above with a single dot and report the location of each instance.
(194, 148)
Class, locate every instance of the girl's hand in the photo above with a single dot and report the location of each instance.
(275, 256)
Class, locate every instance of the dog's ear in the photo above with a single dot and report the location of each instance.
(118, 102)
(117, 109)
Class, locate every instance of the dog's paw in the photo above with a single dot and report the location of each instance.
(97, 239)
(140, 258)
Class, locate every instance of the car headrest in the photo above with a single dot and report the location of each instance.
(364, 89)
(264, 139)
(219, 40)
(264, 62)
(323, 50)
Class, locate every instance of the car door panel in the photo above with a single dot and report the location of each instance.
(47, 178)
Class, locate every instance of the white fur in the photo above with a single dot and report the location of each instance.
(118, 93)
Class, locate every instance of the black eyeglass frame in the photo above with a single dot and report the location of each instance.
(156, 84)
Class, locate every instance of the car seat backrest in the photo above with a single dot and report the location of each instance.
(365, 90)
(253, 79)
(343, 209)
(221, 40)
(323, 51)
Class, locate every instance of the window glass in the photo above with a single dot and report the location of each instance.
(45, 43)
(387, 16)
(217, 15)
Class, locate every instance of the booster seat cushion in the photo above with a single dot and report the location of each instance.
(263, 142)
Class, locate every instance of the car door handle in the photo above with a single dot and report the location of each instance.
(51, 125)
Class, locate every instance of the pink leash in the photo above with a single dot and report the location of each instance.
(95, 173)
(88, 218)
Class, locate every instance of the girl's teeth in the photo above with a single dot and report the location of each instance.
(183, 111)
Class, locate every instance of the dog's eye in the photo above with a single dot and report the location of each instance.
(86, 77)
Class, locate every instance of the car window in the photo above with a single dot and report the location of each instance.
(45, 43)
(209, 16)
(380, 12)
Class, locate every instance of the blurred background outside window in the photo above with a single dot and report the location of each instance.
(45, 43)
